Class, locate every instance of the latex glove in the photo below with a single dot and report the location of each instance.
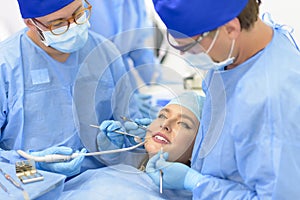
(68, 168)
(175, 175)
(134, 129)
(108, 127)
(144, 105)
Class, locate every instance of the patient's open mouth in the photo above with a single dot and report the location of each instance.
(160, 138)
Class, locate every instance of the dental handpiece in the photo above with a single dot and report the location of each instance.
(63, 158)
(48, 158)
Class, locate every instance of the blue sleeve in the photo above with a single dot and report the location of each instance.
(5, 156)
(144, 62)
(105, 144)
(217, 188)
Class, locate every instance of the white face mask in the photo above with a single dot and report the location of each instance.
(203, 60)
(72, 40)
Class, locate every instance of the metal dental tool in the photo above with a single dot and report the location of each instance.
(137, 139)
(129, 120)
(161, 181)
(63, 158)
(161, 174)
(4, 188)
(15, 183)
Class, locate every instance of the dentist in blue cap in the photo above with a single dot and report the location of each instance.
(47, 70)
(248, 144)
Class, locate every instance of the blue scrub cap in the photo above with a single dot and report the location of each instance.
(191, 101)
(39, 8)
(187, 18)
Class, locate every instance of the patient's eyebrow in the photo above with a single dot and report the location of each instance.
(188, 118)
(165, 110)
(182, 115)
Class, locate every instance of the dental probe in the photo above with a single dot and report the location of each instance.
(4, 188)
(63, 158)
(129, 120)
(136, 138)
(161, 174)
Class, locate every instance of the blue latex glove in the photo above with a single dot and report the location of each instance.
(69, 168)
(108, 127)
(144, 105)
(134, 129)
(175, 175)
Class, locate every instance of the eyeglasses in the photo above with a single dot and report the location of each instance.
(185, 48)
(61, 26)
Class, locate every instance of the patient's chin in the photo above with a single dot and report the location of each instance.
(151, 149)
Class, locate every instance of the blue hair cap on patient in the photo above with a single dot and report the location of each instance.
(191, 101)
(187, 18)
(39, 8)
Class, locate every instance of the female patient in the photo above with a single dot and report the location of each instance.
(173, 131)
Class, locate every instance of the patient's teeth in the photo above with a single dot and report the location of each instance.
(161, 138)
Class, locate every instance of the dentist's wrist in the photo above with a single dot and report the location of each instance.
(192, 179)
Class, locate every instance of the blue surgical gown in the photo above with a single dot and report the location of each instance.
(117, 182)
(126, 24)
(249, 141)
(43, 102)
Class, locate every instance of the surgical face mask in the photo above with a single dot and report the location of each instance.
(72, 40)
(203, 60)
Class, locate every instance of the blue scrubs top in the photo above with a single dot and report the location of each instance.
(248, 146)
(43, 102)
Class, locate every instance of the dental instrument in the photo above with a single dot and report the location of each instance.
(160, 181)
(129, 120)
(161, 174)
(4, 188)
(15, 183)
(63, 158)
(137, 139)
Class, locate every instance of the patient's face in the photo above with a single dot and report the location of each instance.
(175, 130)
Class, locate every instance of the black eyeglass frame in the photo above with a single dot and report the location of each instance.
(185, 48)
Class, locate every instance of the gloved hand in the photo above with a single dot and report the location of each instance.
(134, 129)
(69, 168)
(144, 105)
(175, 175)
(108, 127)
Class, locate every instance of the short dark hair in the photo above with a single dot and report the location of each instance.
(249, 15)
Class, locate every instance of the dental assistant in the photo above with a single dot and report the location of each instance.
(38, 73)
(248, 144)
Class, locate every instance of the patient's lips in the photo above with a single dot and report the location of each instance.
(160, 138)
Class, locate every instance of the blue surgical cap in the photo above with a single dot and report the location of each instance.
(39, 8)
(191, 101)
(187, 18)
